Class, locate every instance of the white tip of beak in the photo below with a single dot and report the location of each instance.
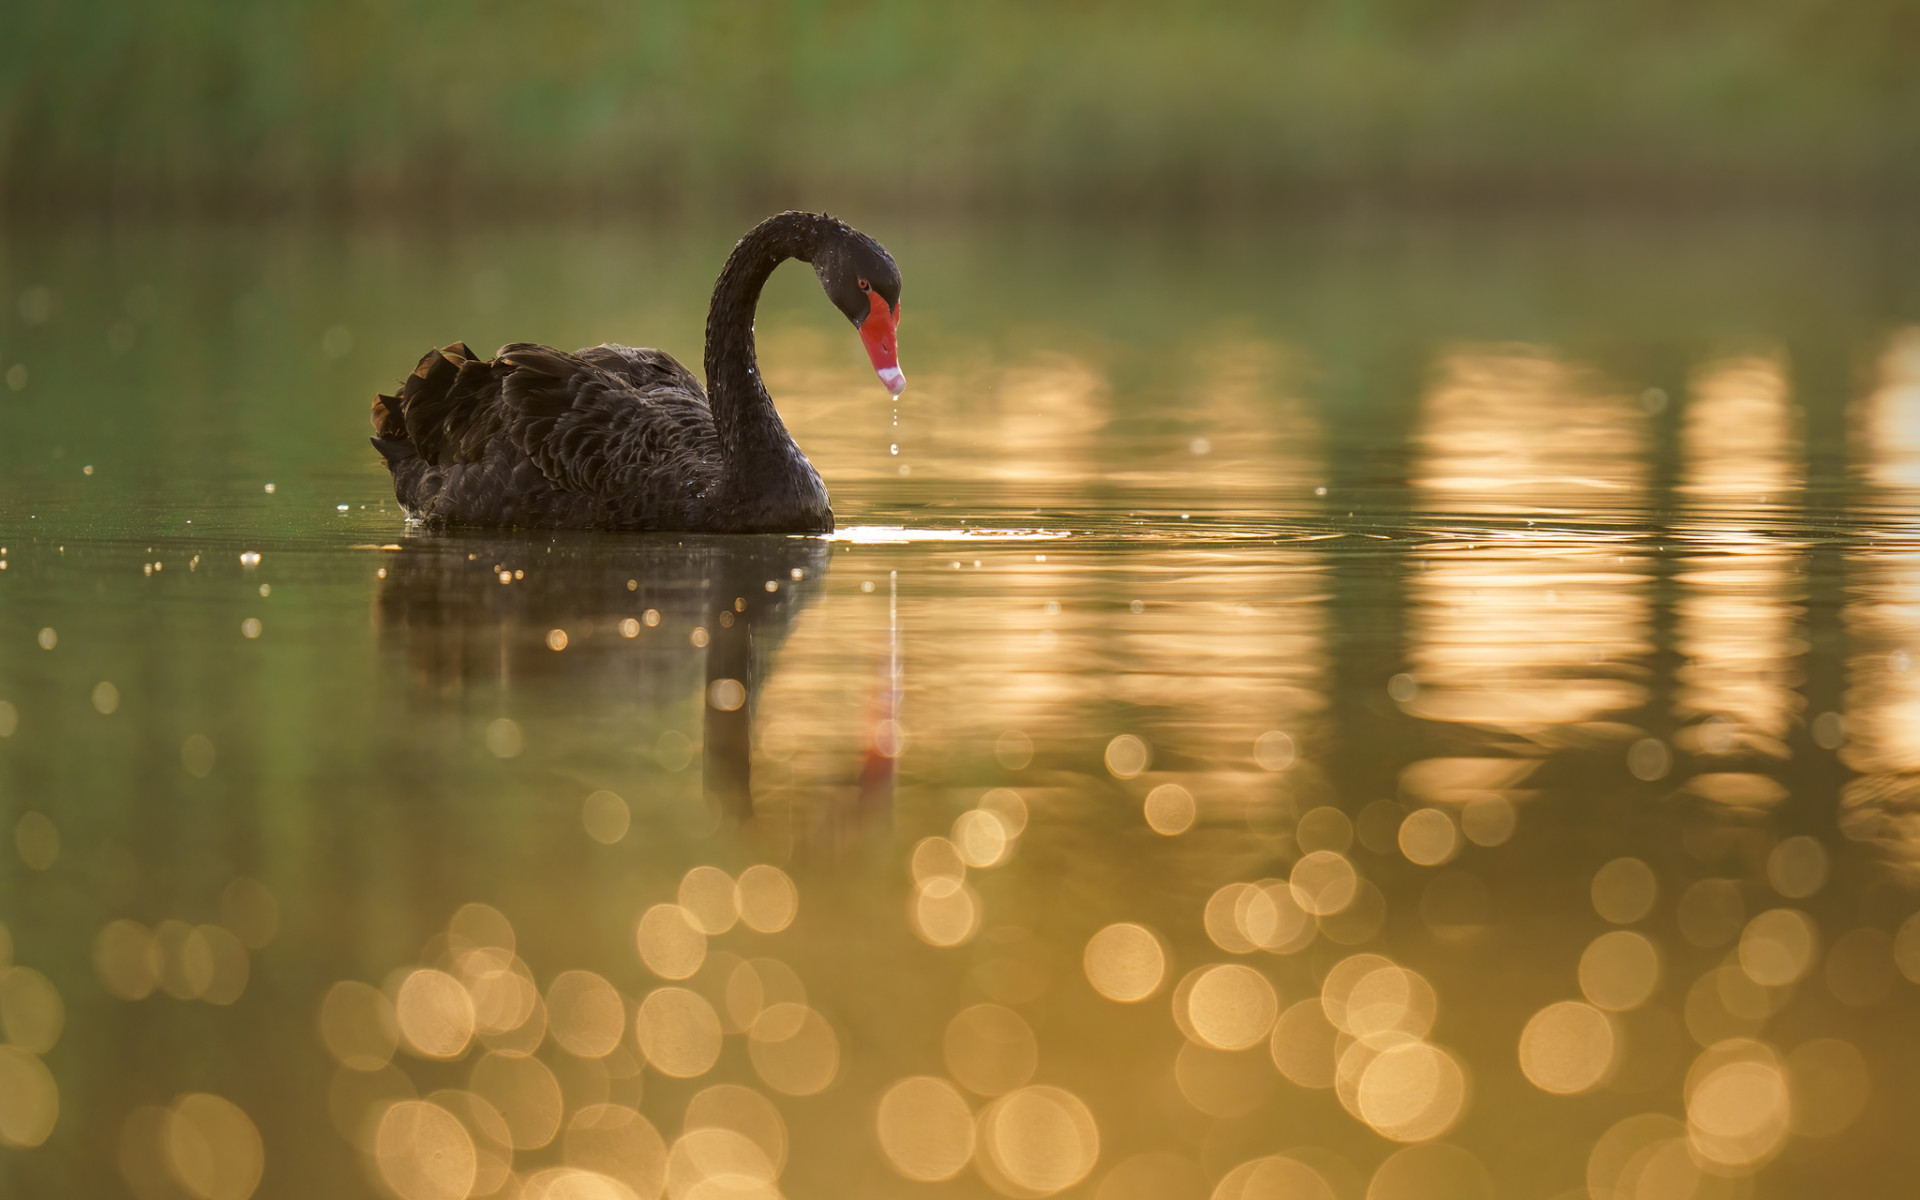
(894, 378)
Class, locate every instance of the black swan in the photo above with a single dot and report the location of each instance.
(615, 437)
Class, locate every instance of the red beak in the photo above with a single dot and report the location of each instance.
(877, 332)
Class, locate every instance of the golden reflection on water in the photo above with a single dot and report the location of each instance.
(1738, 609)
(1307, 858)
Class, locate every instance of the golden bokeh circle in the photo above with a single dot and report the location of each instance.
(477, 926)
(1619, 970)
(1624, 890)
(926, 1129)
(526, 1094)
(358, 1025)
(1323, 882)
(1778, 946)
(1303, 1045)
(1127, 756)
(1040, 1140)
(945, 911)
(767, 898)
(1411, 1092)
(616, 1141)
(424, 1152)
(1797, 867)
(31, 1012)
(1231, 1006)
(1340, 981)
(670, 944)
(745, 1112)
(1428, 837)
(1125, 962)
(1267, 916)
(29, 1099)
(126, 959)
(990, 1049)
(793, 1049)
(711, 1164)
(707, 896)
(605, 817)
(1009, 806)
(678, 1031)
(1169, 809)
(213, 1147)
(1221, 918)
(981, 838)
(585, 1014)
(1567, 1048)
(1434, 1171)
(1389, 1004)
(1489, 820)
(936, 858)
(435, 1013)
(1275, 1177)
(1739, 1109)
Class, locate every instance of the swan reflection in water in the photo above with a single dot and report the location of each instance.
(579, 626)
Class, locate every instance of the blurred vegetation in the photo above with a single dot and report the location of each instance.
(432, 105)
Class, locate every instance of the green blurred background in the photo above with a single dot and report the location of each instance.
(433, 106)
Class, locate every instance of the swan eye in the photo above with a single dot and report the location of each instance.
(865, 286)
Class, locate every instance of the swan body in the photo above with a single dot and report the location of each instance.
(615, 437)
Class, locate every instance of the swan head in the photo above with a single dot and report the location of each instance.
(863, 282)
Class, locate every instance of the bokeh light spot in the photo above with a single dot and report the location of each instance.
(1323, 882)
(424, 1152)
(1038, 1140)
(585, 1013)
(29, 1099)
(1567, 1048)
(619, 1143)
(990, 1049)
(1125, 962)
(359, 1026)
(1169, 810)
(1127, 756)
(1797, 867)
(1437, 1171)
(1275, 1177)
(678, 1031)
(926, 1129)
(1624, 890)
(793, 1049)
(523, 1090)
(605, 817)
(213, 1147)
(1303, 1045)
(31, 1013)
(1778, 946)
(767, 899)
(1619, 970)
(670, 943)
(1428, 837)
(710, 900)
(435, 1014)
(1231, 1007)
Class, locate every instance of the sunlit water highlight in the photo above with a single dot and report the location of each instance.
(1261, 749)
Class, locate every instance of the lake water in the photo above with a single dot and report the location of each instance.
(1370, 710)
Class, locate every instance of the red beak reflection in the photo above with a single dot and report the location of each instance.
(877, 332)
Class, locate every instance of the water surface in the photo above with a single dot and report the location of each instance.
(1434, 705)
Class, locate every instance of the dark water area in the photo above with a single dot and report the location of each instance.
(1365, 710)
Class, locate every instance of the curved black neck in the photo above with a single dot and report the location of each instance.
(750, 430)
